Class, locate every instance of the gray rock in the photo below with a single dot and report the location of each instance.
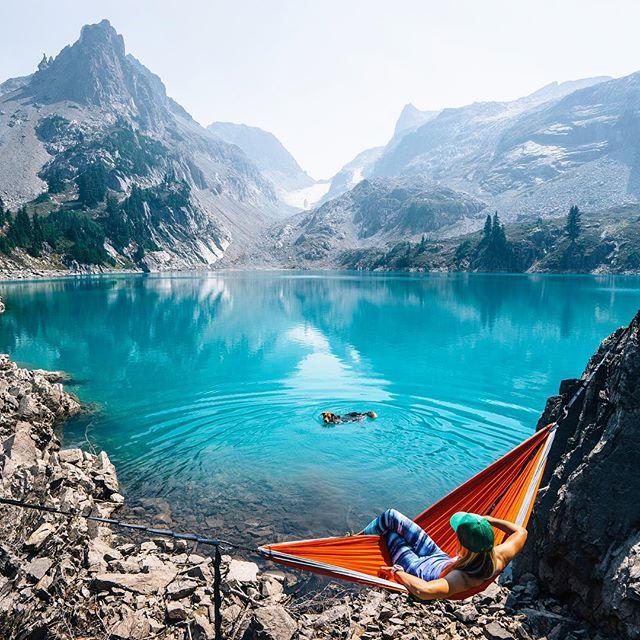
(144, 583)
(271, 623)
(466, 613)
(495, 631)
(28, 407)
(19, 450)
(202, 629)
(37, 568)
(332, 615)
(177, 610)
(242, 572)
(179, 589)
(99, 553)
(574, 550)
(40, 535)
(133, 627)
(71, 456)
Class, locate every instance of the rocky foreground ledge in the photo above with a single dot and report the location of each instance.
(70, 578)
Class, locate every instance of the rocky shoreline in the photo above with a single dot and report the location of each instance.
(21, 266)
(69, 578)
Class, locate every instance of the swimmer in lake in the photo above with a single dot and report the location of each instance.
(352, 416)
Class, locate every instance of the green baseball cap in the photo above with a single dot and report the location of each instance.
(474, 531)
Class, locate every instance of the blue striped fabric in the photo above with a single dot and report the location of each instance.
(409, 545)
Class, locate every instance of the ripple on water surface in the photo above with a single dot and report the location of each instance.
(211, 387)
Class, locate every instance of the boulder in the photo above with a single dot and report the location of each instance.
(177, 610)
(179, 589)
(99, 553)
(28, 407)
(270, 623)
(495, 631)
(40, 535)
(466, 613)
(202, 629)
(71, 456)
(143, 583)
(37, 568)
(133, 627)
(332, 615)
(271, 588)
(105, 473)
(19, 450)
(242, 572)
(372, 605)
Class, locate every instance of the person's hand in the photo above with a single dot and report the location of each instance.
(388, 573)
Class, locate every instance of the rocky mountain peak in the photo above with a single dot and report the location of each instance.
(411, 118)
(95, 71)
(99, 35)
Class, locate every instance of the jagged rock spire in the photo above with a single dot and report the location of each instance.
(44, 63)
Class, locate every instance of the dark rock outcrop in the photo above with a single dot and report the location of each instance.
(584, 544)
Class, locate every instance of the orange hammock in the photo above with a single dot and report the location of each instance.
(506, 490)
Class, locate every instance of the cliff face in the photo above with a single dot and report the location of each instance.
(584, 544)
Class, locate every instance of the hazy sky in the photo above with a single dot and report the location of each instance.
(330, 77)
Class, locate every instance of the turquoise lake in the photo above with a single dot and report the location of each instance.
(208, 387)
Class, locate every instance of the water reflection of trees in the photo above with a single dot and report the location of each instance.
(181, 318)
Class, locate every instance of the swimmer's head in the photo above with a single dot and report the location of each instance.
(372, 414)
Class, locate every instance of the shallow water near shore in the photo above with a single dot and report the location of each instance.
(210, 386)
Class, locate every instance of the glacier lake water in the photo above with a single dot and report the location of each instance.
(207, 388)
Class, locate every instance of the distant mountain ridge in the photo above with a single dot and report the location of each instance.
(93, 107)
(465, 125)
(266, 152)
(566, 143)
(111, 170)
(410, 119)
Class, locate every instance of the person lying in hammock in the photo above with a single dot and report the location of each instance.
(352, 416)
(429, 573)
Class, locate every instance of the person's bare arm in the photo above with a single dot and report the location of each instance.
(428, 590)
(511, 547)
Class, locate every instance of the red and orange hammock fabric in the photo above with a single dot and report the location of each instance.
(506, 489)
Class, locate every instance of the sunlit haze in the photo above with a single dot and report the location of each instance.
(329, 78)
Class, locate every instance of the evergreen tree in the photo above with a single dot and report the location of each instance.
(498, 235)
(20, 230)
(37, 236)
(55, 181)
(486, 232)
(92, 185)
(4, 214)
(573, 226)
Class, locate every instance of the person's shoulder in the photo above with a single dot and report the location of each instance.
(503, 555)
